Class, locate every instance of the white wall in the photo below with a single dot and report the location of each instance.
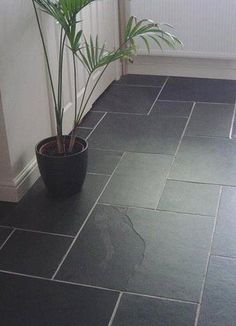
(25, 112)
(207, 29)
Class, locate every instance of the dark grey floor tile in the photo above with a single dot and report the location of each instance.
(225, 234)
(33, 253)
(212, 120)
(219, 299)
(143, 251)
(138, 180)
(172, 108)
(142, 311)
(101, 161)
(206, 160)
(199, 90)
(6, 208)
(149, 134)
(91, 119)
(194, 198)
(83, 132)
(4, 233)
(127, 99)
(37, 211)
(35, 302)
(142, 80)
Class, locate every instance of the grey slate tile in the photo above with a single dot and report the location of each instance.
(4, 233)
(143, 134)
(145, 80)
(83, 132)
(219, 299)
(143, 251)
(91, 119)
(199, 90)
(33, 253)
(138, 180)
(212, 120)
(30, 301)
(142, 311)
(103, 162)
(225, 234)
(206, 160)
(37, 211)
(172, 108)
(127, 99)
(191, 198)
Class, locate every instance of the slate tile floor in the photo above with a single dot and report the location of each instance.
(151, 240)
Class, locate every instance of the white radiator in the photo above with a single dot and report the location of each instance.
(206, 27)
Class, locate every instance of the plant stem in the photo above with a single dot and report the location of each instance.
(46, 57)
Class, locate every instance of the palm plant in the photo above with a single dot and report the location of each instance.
(91, 54)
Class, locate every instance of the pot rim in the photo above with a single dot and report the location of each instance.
(48, 139)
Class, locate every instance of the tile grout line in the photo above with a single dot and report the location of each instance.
(115, 309)
(9, 236)
(208, 259)
(140, 85)
(204, 183)
(176, 152)
(232, 124)
(100, 120)
(42, 232)
(149, 112)
(97, 287)
(223, 257)
(85, 221)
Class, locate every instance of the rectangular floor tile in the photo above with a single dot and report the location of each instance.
(225, 234)
(211, 120)
(127, 99)
(37, 211)
(149, 134)
(27, 301)
(143, 251)
(33, 253)
(194, 198)
(103, 162)
(219, 299)
(173, 108)
(139, 311)
(138, 180)
(4, 233)
(91, 119)
(206, 160)
(199, 90)
(142, 80)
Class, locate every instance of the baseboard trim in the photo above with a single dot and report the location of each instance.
(185, 67)
(15, 190)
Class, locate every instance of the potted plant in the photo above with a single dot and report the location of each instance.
(62, 159)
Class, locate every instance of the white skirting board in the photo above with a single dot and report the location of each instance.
(184, 67)
(13, 191)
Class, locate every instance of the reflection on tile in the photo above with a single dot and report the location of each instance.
(152, 134)
(225, 234)
(199, 90)
(212, 120)
(37, 211)
(33, 253)
(138, 180)
(191, 198)
(127, 99)
(136, 250)
(30, 301)
(206, 160)
(140, 311)
(219, 299)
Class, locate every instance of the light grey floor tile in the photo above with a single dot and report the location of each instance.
(206, 160)
(138, 180)
(194, 198)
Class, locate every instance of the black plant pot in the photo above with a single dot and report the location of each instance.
(63, 175)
